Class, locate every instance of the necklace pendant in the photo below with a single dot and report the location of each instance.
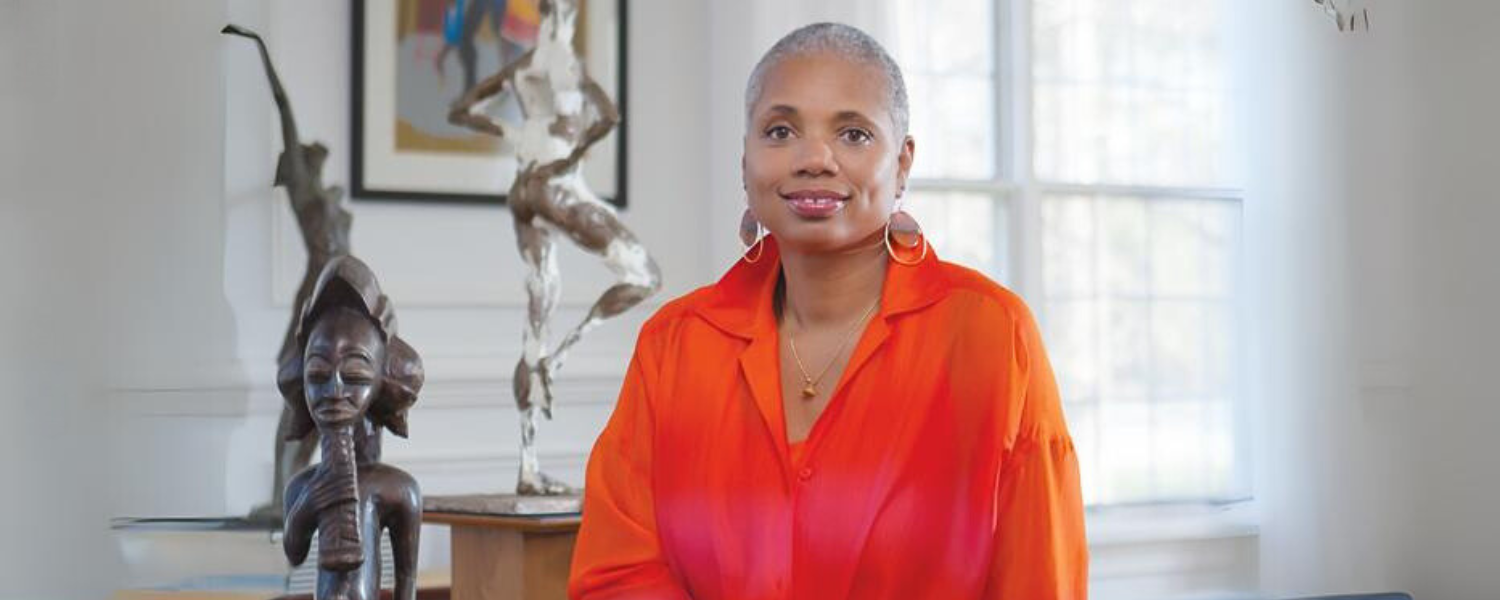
(809, 392)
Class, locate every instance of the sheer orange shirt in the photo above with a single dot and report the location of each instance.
(941, 467)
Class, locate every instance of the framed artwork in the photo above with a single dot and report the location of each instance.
(413, 58)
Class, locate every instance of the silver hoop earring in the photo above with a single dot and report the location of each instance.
(753, 235)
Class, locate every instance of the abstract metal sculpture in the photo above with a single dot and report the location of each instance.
(349, 377)
(324, 222)
(566, 112)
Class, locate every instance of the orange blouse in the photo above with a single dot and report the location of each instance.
(941, 467)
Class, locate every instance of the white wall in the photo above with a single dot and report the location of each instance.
(159, 134)
(53, 510)
(1368, 192)
(1452, 530)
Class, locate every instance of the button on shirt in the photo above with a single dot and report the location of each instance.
(941, 467)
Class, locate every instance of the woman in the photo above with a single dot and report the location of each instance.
(763, 447)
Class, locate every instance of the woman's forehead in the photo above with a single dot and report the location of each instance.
(824, 84)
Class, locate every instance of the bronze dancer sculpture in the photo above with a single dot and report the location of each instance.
(324, 222)
(349, 377)
(566, 112)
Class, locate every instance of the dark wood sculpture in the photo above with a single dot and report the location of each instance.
(324, 222)
(350, 377)
(566, 113)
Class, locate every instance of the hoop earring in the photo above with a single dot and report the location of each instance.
(907, 233)
(752, 234)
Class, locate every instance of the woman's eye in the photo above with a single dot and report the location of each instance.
(857, 136)
(358, 377)
(779, 132)
(316, 376)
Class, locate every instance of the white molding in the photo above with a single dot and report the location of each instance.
(1122, 526)
(441, 473)
(238, 400)
(1173, 551)
(464, 460)
(601, 358)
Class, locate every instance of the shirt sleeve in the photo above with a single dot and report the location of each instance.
(1040, 551)
(618, 553)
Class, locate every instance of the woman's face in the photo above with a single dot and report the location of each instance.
(822, 164)
(342, 367)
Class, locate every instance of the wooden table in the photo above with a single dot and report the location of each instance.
(510, 557)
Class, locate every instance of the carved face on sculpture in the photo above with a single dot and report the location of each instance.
(352, 363)
(561, 27)
(824, 159)
(344, 366)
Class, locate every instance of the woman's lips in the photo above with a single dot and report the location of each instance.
(815, 206)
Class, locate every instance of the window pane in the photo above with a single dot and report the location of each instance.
(1126, 324)
(1129, 93)
(946, 50)
(1125, 252)
(1083, 424)
(961, 227)
(1181, 433)
(1125, 452)
(1068, 224)
(953, 123)
(1138, 318)
(1178, 366)
(1072, 340)
(946, 36)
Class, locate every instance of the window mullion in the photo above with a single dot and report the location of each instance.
(1026, 226)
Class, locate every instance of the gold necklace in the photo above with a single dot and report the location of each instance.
(810, 388)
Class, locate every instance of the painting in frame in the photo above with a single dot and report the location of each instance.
(413, 58)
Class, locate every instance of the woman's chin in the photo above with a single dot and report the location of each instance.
(825, 238)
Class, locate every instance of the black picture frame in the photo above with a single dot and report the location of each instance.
(362, 190)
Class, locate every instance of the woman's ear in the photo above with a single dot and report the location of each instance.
(903, 162)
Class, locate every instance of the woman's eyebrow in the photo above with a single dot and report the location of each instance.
(851, 115)
(782, 109)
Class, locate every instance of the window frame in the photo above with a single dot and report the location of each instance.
(1019, 253)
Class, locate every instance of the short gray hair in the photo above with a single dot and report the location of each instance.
(841, 40)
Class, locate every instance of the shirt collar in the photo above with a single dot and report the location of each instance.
(742, 302)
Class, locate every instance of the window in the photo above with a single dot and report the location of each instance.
(1077, 151)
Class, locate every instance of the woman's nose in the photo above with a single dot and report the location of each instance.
(816, 158)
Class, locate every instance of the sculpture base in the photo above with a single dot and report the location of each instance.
(502, 554)
(503, 505)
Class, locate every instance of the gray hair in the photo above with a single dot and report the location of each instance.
(841, 40)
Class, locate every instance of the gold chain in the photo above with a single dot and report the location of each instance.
(811, 385)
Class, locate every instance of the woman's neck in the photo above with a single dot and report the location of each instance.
(829, 288)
